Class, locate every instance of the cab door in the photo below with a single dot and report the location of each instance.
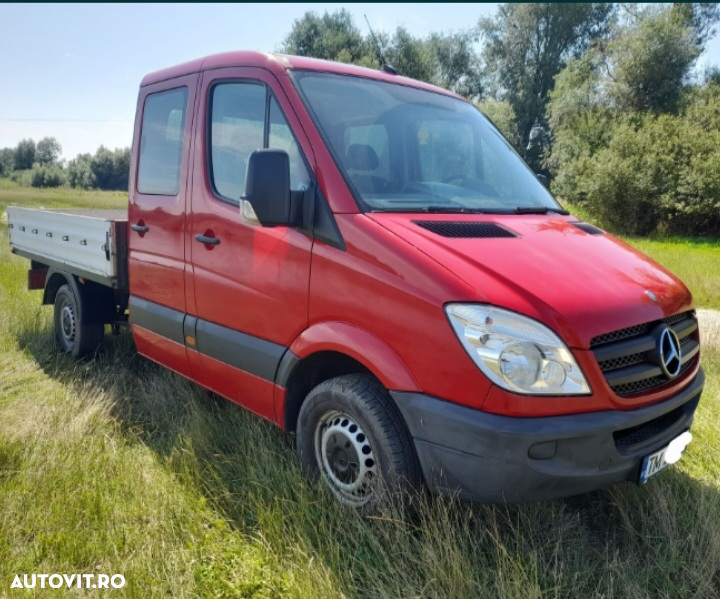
(250, 282)
(157, 214)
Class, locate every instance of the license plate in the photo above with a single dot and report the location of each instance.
(661, 459)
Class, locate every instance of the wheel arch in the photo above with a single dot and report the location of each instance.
(56, 279)
(328, 350)
(98, 300)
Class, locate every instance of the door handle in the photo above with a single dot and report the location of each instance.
(207, 240)
(140, 228)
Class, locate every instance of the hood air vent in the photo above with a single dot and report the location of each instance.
(589, 229)
(464, 229)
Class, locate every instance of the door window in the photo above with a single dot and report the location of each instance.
(161, 142)
(281, 138)
(238, 127)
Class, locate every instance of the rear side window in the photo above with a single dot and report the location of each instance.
(161, 143)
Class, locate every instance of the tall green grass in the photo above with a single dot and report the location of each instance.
(119, 466)
(695, 261)
(12, 194)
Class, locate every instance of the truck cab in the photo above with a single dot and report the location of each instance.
(363, 260)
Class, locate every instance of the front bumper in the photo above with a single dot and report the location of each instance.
(495, 459)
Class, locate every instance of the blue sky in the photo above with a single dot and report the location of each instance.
(72, 71)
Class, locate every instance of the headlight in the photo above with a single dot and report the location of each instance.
(515, 352)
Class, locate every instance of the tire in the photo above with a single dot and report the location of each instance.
(351, 435)
(77, 334)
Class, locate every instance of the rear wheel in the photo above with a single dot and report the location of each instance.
(77, 333)
(351, 434)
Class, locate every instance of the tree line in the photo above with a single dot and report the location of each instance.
(602, 98)
(40, 165)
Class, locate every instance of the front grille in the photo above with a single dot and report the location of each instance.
(677, 317)
(626, 356)
(636, 435)
(646, 384)
(622, 361)
(621, 334)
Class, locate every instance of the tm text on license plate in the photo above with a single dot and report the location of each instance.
(655, 462)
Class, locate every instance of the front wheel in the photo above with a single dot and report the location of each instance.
(351, 434)
(76, 333)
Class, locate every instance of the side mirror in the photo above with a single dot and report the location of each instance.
(267, 186)
(543, 179)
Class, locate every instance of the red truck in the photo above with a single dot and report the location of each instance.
(363, 260)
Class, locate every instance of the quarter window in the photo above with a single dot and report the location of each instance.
(161, 142)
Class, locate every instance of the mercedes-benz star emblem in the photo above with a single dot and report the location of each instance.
(670, 352)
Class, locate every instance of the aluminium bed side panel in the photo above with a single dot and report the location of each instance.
(85, 241)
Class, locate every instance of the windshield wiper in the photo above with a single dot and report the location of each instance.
(540, 210)
(451, 209)
(434, 210)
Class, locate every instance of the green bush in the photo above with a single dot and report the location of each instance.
(22, 177)
(650, 173)
(7, 161)
(43, 175)
(110, 169)
(79, 172)
(503, 116)
(621, 183)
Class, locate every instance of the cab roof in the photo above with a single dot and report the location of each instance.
(279, 64)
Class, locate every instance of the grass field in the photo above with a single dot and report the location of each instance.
(696, 261)
(119, 466)
(12, 194)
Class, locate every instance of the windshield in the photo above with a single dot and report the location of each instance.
(406, 149)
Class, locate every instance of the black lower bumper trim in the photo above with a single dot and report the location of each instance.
(486, 457)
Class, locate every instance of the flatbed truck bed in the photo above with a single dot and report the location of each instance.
(91, 244)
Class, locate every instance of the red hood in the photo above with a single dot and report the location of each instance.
(579, 284)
